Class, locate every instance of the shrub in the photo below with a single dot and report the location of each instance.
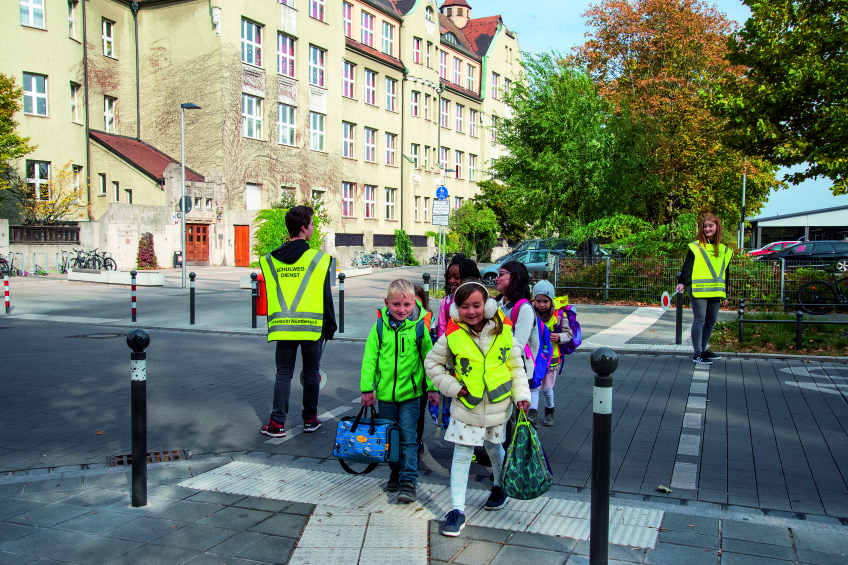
(403, 249)
(146, 258)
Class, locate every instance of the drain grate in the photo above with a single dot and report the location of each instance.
(97, 336)
(152, 457)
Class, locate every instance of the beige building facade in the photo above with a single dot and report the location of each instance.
(364, 105)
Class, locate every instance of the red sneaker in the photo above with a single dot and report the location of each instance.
(273, 429)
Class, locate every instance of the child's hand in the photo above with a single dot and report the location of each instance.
(462, 392)
(368, 399)
(434, 397)
(554, 338)
(523, 405)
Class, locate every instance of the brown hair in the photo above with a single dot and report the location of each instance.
(422, 296)
(469, 287)
(702, 238)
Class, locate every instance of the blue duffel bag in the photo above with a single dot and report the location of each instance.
(360, 440)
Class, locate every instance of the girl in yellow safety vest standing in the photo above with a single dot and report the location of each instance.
(706, 271)
(487, 376)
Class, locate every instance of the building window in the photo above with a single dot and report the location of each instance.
(472, 167)
(285, 124)
(116, 190)
(316, 131)
(415, 99)
(367, 29)
(457, 202)
(443, 64)
(495, 78)
(416, 206)
(443, 157)
(35, 94)
(102, 184)
(413, 148)
(347, 15)
(426, 157)
(472, 123)
(391, 149)
(109, 107)
(347, 199)
(348, 130)
(316, 65)
(371, 145)
(251, 43)
(32, 13)
(75, 94)
(458, 158)
(370, 87)
(128, 195)
(287, 194)
(445, 112)
(72, 19)
(38, 179)
(289, 3)
(494, 129)
(316, 9)
(472, 78)
(108, 38)
(348, 79)
(429, 49)
(285, 55)
(251, 116)
(388, 39)
(426, 207)
(370, 201)
(507, 84)
(460, 118)
(252, 196)
(77, 181)
(457, 70)
(208, 204)
(427, 106)
(391, 94)
(390, 203)
(416, 50)
(317, 197)
(428, 14)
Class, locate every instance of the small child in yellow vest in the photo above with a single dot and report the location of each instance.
(543, 303)
(489, 377)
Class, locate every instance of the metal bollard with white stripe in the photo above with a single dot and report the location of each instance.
(427, 285)
(191, 298)
(6, 292)
(133, 274)
(604, 362)
(138, 340)
(254, 296)
(341, 302)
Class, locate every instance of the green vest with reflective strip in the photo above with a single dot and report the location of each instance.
(295, 296)
(481, 373)
(709, 271)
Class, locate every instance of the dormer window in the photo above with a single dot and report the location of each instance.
(450, 38)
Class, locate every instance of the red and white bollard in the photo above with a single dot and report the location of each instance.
(6, 291)
(133, 274)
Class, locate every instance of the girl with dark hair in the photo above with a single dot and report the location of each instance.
(460, 269)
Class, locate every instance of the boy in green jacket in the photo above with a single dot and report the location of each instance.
(393, 366)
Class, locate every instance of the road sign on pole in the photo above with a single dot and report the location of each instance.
(441, 212)
(442, 193)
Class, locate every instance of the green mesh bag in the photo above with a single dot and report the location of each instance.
(525, 474)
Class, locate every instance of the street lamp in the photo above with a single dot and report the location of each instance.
(183, 107)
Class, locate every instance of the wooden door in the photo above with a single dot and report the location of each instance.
(197, 244)
(242, 246)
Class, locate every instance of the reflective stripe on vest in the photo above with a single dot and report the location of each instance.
(709, 271)
(481, 372)
(552, 323)
(303, 319)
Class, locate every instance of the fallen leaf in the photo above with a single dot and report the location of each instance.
(664, 489)
(100, 432)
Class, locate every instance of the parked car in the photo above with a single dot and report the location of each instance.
(552, 244)
(772, 248)
(813, 253)
(534, 261)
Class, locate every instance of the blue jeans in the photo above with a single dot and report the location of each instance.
(286, 357)
(406, 415)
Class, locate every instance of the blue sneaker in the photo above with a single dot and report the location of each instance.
(497, 499)
(454, 522)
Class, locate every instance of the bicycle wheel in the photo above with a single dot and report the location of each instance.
(817, 297)
(96, 263)
(109, 264)
(4, 267)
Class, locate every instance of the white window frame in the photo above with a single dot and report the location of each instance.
(285, 58)
(457, 71)
(110, 104)
(429, 49)
(458, 158)
(414, 150)
(426, 154)
(347, 18)
(366, 34)
(116, 190)
(31, 12)
(472, 122)
(495, 79)
(370, 201)
(427, 102)
(75, 93)
(348, 139)
(414, 103)
(317, 127)
(316, 10)
(35, 94)
(348, 79)
(444, 154)
(472, 166)
(426, 207)
(391, 94)
(251, 116)
(445, 113)
(428, 14)
(416, 50)
(460, 117)
(317, 58)
(443, 64)
(102, 183)
(251, 43)
(348, 189)
(457, 202)
(286, 124)
(391, 197)
(72, 19)
(388, 43)
(40, 185)
(107, 34)
(370, 87)
(493, 128)
(391, 149)
(471, 77)
(370, 145)
(416, 204)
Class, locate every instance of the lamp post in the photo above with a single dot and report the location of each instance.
(183, 107)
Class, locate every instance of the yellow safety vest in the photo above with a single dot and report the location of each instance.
(481, 372)
(295, 307)
(708, 271)
(551, 325)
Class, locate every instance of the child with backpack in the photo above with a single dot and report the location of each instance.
(477, 363)
(393, 376)
(560, 332)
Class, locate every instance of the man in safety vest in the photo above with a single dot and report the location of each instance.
(300, 313)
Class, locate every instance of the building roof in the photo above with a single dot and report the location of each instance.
(404, 6)
(144, 157)
(481, 31)
(372, 53)
(385, 6)
(462, 3)
(797, 214)
(447, 26)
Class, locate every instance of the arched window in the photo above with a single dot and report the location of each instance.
(428, 13)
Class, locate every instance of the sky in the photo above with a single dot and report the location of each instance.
(558, 25)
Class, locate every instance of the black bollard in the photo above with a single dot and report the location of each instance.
(138, 340)
(191, 298)
(427, 286)
(254, 296)
(741, 320)
(799, 339)
(604, 362)
(132, 275)
(341, 302)
(678, 320)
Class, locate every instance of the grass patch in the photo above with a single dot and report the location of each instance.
(830, 339)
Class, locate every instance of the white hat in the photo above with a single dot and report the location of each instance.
(544, 288)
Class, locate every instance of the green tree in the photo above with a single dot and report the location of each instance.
(495, 196)
(403, 249)
(791, 104)
(12, 145)
(271, 231)
(476, 228)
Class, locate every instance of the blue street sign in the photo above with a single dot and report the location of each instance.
(442, 193)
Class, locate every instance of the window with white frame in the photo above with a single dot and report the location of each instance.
(370, 87)
(495, 78)
(289, 3)
(35, 94)
(347, 199)
(316, 9)
(252, 196)
(426, 207)
(38, 179)
(316, 65)
(288, 194)
(429, 49)
(285, 124)
(251, 43)
(445, 112)
(458, 158)
(102, 184)
(107, 35)
(72, 18)
(366, 29)
(416, 50)
(198, 203)
(391, 94)
(460, 117)
(472, 122)
(472, 166)
(507, 84)
(285, 55)
(427, 106)
(76, 182)
(391, 193)
(116, 190)
(428, 14)
(391, 149)
(251, 116)
(457, 202)
(457, 70)
(426, 163)
(347, 17)
(415, 206)
(471, 75)
(109, 107)
(370, 201)
(371, 145)
(414, 150)
(388, 39)
(75, 98)
(414, 102)
(318, 197)
(316, 131)
(494, 129)
(32, 13)
(443, 157)
(443, 64)
(348, 79)
(348, 131)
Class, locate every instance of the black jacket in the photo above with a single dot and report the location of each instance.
(289, 253)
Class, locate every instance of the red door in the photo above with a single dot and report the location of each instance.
(242, 246)
(197, 244)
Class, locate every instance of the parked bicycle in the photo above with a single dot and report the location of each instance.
(361, 259)
(821, 297)
(93, 260)
(7, 267)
